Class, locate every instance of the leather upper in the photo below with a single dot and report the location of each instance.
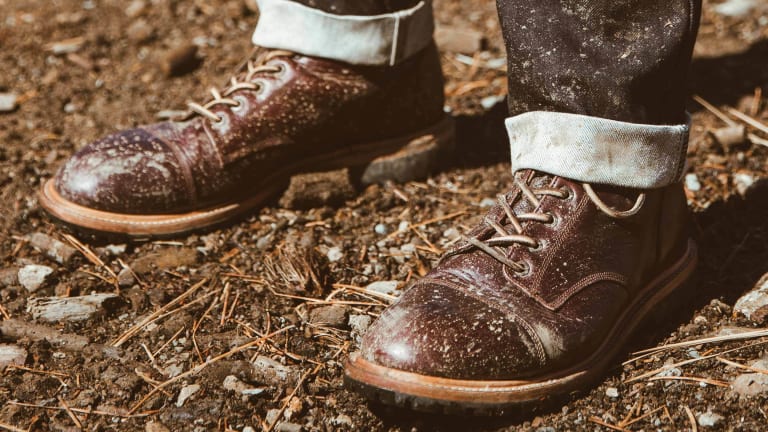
(304, 107)
(473, 317)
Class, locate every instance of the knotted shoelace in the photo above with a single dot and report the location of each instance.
(248, 82)
(504, 238)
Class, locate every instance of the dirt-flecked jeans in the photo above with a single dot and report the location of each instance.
(601, 75)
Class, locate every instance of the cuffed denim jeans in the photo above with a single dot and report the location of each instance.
(596, 87)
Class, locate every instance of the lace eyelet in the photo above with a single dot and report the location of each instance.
(242, 105)
(540, 245)
(568, 193)
(281, 69)
(554, 220)
(525, 271)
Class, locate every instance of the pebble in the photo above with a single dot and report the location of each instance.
(459, 39)
(342, 419)
(612, 392)
(487, 202)
(359, 323)
(383, 287)
(743, 182)
(331, 315)
(272, 373)
(289, 427)
(135, 8)
(33, 276)
(730, 136)
(248, 429)
(232, 383)
(451, 233)
(334, 254)
(12, 355)
(750, 384)
(754, 304)
(709, 419)
(185, 393)
(692, 182)
(380, 229)
(66, 46)
(125, 278)
(139, 31)
(489, 102)
(51, 247)
(403, 226)
(735, 8)
(7, 102)
(71, 309)
(272, 416)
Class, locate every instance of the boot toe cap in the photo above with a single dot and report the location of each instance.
(439, 331)
(128, 172)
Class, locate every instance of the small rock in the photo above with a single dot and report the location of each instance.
(12, 355)
(403, 226)
(156, 427)
(269, 372)
(735, 8)
(342, 419)
(289, 427)
(459, 39)
(743, 182)
(305, 191)
(51, 247)
(383, 287)
(692, 182)
(359, 323)
(248, 429)
(709, 419)
(232, 383)
(272, 416)
(185, 393)
(125, 278)
(489, 102)
(730, 136)
(751, 384)
(487, 202)
(72, 309)
(754, 304)
(7, 102)
(380, 229)
(331, 315)
(334, 254)
(66, 46)
(612, 392)
(33, 276)
(135, 8)
(180, 60)
(140, 31)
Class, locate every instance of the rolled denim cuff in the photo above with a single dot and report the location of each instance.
(364, 40)
(598, 150)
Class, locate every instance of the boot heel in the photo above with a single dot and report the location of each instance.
(420, 155)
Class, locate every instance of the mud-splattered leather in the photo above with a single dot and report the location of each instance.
(309, 108)
(473, 317)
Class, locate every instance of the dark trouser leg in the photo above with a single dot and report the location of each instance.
(359, 7)
(618, 59)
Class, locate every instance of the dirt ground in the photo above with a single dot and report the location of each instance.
(248, 326)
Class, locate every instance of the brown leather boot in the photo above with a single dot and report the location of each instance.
(283, 115)
(535, 302)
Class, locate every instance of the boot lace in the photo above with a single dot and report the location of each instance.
(223, 97)
(504, 237)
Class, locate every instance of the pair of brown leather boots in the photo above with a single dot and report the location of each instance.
(534, 301)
